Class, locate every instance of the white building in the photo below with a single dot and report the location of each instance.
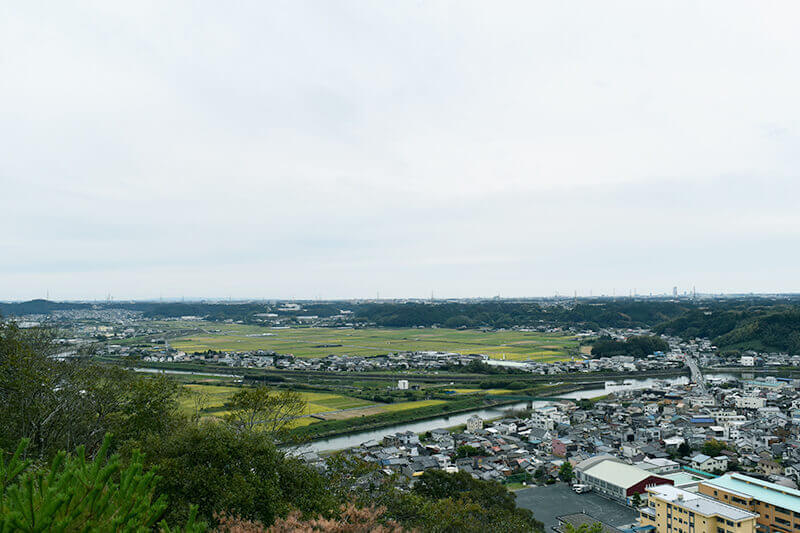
(474, 423)
(659, 465)
(747, 360)
(402, 384)
(709, 464)
(750, 402)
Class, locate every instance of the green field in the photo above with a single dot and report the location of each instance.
(319, 342)
(216, 396)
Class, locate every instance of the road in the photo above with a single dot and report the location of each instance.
(697, 376)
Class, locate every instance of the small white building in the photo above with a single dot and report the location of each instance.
(402, 384)
(750, 402)
(747, 360)
(709, 464)
(474, 423)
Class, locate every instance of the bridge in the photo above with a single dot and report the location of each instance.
(697, 376)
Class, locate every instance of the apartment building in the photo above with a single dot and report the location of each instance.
(778, 507)
(673, 510)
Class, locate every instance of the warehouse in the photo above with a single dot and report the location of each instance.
(619, 481)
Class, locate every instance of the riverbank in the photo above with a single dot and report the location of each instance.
(337, 428)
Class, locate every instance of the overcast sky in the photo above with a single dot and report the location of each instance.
(336, 149)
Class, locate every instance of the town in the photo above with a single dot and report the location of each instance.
(728, 454)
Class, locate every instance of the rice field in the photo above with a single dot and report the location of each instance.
(340, 407)
(319, 342)
(215, 398)
(481, 391)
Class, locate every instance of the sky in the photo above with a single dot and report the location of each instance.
(351, 149)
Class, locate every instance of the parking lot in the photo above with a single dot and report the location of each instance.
(548, 502)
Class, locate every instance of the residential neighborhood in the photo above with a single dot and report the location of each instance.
(729, 457)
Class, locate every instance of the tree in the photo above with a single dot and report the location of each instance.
(58, 405)
(565, 472)
(468, 451)
(684, 449)
(457, 502)
(636, 500)
(272, 412)
(220, 468)
(713, 447)
(77, 494)
(596, 527)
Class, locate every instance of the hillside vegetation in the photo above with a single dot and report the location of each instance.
(755, 328)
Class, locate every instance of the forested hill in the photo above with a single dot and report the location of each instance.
(747, 328)
(38, 307)
(591, 314)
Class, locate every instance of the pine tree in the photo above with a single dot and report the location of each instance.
(76, 494)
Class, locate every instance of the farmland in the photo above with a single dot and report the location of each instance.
(319, 342)
(211, 400)
(214, 398)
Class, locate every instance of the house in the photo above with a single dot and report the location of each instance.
(709, 464)
(563, 447)
(769, 467)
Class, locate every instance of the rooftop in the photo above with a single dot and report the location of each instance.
(700, 504)
(619, 474)
(764, 491)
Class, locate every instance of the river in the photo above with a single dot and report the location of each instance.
(184, 372)
(354, 439)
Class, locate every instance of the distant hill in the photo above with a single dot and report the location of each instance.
(37, 307)
(752, 328)
(591, 314)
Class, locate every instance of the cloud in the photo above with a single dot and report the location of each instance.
(314, 149)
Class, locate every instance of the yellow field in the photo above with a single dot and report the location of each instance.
(402, 406)
(482, 391)
(216, 396)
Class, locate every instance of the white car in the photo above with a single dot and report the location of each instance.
(580, 489)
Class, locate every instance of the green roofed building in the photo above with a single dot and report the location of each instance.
(778, 507)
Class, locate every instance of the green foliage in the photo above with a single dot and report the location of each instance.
(565, 471)
(596, 527)
(713, 447)
(598, 313)
(57, 405)
(219, 468)
(743, 327)
(457, 502)
(264, 409)
(77, 494)
(636, 346)
(636, 500)
(684, 449)
(468, 451)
